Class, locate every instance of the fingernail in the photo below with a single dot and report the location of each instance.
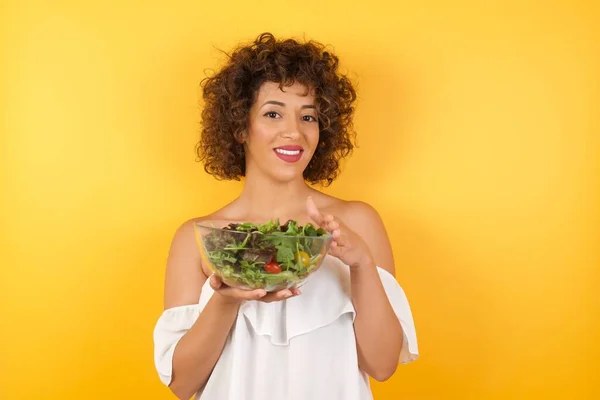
(261, 293)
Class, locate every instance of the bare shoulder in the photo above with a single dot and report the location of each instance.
(358, 215)
(184, 276)
(364, 220)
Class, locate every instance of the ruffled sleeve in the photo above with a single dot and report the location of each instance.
(169, 329)
(399, 302)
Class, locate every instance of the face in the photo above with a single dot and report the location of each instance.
(283, 132)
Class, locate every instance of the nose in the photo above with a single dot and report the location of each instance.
(291, 129)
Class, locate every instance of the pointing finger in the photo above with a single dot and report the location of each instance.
(313, 212)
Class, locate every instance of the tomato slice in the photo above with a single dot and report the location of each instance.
(273, 267)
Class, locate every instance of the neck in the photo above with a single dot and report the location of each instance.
(265, 199)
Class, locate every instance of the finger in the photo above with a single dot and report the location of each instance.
(337, 236)
(313, 211)
(215, 282)
(242, 294)
(334, 250)
(277, 296)
(257, 294)
(332, 226)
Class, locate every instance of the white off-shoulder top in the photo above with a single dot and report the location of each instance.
(296, 349)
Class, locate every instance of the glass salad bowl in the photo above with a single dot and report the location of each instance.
(267, 256)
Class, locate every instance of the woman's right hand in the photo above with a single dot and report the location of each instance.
(234, 295)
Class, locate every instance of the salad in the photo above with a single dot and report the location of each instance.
(266, 255)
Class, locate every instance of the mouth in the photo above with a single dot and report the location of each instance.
(289, 154)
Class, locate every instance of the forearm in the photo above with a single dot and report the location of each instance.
(378, 331)
(199, 349)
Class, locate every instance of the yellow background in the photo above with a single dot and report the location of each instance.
(478, 129)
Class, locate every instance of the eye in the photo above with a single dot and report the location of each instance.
(271, 114)
(309, 118)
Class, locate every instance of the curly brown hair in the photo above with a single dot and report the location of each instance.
(230, 93)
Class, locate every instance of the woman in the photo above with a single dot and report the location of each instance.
(279, 115)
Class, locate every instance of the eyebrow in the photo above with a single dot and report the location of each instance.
(279, 103)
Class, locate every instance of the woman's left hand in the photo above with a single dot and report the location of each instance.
(346, 245)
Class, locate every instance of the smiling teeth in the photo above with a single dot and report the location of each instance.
(288, 152)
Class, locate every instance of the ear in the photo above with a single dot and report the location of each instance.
(241, 136)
